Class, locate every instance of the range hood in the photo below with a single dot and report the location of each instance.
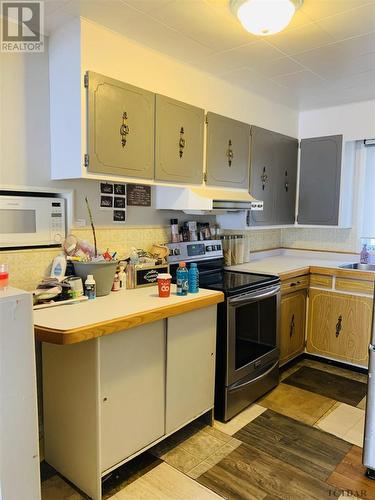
(202, 200)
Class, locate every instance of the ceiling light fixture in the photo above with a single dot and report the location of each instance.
(265, 17)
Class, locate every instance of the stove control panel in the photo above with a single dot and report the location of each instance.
(189, 251)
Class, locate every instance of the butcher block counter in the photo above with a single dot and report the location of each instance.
(72, 323)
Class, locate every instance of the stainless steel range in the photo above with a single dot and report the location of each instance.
(247, 351)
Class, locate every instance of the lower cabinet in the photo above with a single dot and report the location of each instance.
(132, 391)
(292, 328)
(191, 340)
(339, 326)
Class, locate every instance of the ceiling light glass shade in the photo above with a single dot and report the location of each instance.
(265, 17)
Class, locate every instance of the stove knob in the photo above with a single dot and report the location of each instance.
(218, 247)
(209, 248)
(177, 251)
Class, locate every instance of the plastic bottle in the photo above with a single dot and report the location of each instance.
(193, 278)
(174, 231)
(90, 287)
(364, 257)
(182, 278)
(58, 267)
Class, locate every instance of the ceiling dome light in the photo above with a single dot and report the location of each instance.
(265, 17)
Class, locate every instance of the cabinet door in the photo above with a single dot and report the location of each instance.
(228, 150)
(286, 152)
(339, 326)
(292, 330)
(132, 391)
(191, 339)
(263, 174)
(178, 141)
(120, 128)
(320, 175)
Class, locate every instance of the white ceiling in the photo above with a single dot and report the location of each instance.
(325, 57)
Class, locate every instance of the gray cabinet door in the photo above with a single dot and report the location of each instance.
(228, 148)
(178, 141)
(263, 174)
(319, 185)
(286, 152)
(120, 128)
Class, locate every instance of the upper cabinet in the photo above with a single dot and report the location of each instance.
(227, 152)
(273, 175)
(320, 180)
(120, 128)
(178, 141)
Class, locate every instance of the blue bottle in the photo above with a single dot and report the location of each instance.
(193, 278)
(182, 278)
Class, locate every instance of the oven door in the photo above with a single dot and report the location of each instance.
(252, 339)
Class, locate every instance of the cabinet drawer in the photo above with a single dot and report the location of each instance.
(321, 281)
(294, 284)
(351, 285)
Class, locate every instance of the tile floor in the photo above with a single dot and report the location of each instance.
(302, 440)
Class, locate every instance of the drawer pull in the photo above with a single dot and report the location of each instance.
(295, 283)
(124, 129)
(292, 327)
(181, 143)
(338, 325)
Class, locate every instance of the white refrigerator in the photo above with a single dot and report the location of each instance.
(19, 442)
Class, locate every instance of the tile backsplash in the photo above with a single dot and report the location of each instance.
(330, 239)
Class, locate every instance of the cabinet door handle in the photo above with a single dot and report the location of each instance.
(264, 178)
(338, 325)
(295, 283)
(181, 142)
(230, 153)
(124, 129)
(292, 327)
(286, 184)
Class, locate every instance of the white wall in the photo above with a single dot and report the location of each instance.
(368, 228)
(355, 121)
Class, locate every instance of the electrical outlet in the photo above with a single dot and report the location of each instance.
(80, 223)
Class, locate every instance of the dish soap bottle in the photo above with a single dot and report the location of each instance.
(90, 287)
(182, 278)
(364, 257)
(193, 278)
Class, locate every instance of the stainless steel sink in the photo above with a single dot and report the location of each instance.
(360, 267)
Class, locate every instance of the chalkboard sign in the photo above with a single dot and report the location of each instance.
(148, 275)
(138, 195)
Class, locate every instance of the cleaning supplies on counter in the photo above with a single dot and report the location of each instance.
(182, 279)
(364, 257)
(90, 287)
(58, 267)
(193, 278)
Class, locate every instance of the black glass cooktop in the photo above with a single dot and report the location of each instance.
(233, 283)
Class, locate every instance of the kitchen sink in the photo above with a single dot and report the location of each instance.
(360, 267)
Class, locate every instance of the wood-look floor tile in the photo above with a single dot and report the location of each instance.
(328, 384)
(55, 488)
(300, 445)
(202, 445)
(248, 474)
(296, 403)
(166, 483)
(181, 459)
(237, 422)
(337, 370)
(362, 404)
(346, 422)
(350, 475)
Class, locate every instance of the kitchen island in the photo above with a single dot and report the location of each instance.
(120, 373)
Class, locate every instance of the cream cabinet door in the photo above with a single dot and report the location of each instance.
(178, 141)
(120, 128)
(191, 340)
(339, 326)
(132, 391)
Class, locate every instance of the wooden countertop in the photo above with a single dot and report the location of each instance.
(73, 323)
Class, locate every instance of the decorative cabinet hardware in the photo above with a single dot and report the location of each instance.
(124, 129)
(292, 327)
(286, 185)
(264, 178)
(181, 142)
(338, 325)
(230, 153)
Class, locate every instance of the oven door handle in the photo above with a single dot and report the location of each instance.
(239, 385)
(255, 296)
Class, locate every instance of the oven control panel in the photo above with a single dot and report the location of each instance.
(194, 250)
